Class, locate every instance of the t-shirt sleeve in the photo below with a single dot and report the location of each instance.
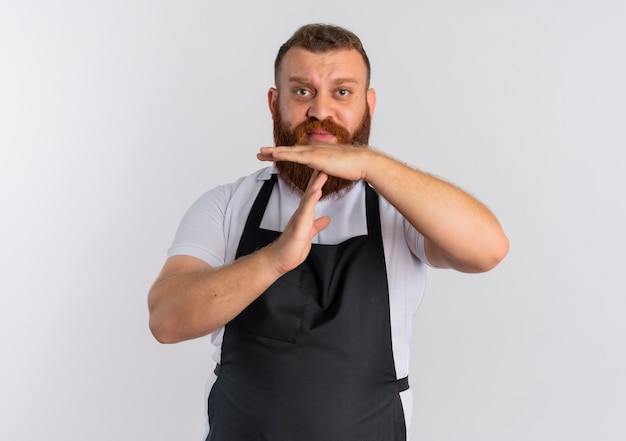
(416, 242)
(201, 231)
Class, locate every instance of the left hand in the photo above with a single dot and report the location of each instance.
(340, 160)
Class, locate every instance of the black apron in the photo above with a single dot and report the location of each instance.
(311, 358)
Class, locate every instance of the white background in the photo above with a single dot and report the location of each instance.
(116, 115)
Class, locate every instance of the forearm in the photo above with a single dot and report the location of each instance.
(186, 303)
(463, 232)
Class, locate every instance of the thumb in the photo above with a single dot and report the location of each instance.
(321, 223)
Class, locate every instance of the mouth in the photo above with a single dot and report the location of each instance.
(321, 136)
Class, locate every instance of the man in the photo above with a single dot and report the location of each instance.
(307, 273)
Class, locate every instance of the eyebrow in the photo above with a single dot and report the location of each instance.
(337, 81)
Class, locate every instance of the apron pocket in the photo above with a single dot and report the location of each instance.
(278, 312)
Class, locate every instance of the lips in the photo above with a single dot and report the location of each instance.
(321, 136)
(325, 131)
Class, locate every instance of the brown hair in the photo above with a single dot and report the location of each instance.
(322, 38)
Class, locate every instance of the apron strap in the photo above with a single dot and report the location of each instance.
(403, 384)
(258, 208)
(373, 211)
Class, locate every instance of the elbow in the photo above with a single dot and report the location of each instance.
(164, 327)
(500, 250)
(161, 321)
(486, 257)
(160, 331)
(495, 251)
(168, 327)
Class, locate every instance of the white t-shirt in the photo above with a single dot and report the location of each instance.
(213, 225)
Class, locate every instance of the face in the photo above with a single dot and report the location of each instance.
(320, 98)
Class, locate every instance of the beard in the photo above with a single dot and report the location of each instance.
(297, 176)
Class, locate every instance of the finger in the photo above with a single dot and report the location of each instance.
(316, 181)
(320, 224)
(271, 151)
(266, 151)
(281, 148)
(264, 157)
(266, 154)
(312, 194)
(294, 150)
(275, 153)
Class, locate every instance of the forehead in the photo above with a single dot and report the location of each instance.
(320, 67)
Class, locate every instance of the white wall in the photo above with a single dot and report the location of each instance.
(116, 115)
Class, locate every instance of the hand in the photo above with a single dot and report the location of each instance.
(340, 160)
(294, 244)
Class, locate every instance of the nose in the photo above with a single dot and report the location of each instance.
(321, 108)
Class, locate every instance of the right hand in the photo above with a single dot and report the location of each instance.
(294, 244)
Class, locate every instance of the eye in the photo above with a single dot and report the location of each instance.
(343, 92)
(302, 92)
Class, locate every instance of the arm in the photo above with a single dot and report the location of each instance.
(460, 232)
(190, 299)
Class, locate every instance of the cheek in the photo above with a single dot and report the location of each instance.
(292, 116)
(351, 120)
(286, 112)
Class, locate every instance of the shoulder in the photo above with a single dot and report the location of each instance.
(222, 195)
(206, 226)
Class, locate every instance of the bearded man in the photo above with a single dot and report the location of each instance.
(311, 319)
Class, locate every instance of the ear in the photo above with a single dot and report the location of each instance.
(371, 100)
(272, 99)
